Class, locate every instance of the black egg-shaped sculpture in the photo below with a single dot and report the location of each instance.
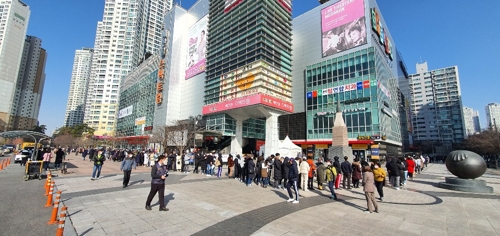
(465, 164)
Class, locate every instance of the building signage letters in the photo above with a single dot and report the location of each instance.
(369, 137)
(356, 100)
(325, 113)
(159, 85)
(380, 30)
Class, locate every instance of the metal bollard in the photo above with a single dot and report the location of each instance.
(55, 209)
(62, 220)
(49, 198)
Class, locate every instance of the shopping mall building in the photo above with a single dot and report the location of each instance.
(343, 51)
(255, 75)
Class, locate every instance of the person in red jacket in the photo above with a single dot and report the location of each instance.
(311, 173)
(411, 166)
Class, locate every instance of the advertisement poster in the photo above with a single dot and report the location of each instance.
(343, 26)
(125, 112)
(230, 4)
(140, 120)
(197, 48)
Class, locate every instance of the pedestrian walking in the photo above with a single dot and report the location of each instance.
(336, 164)
(46, 160)
(293, 176)
(379, 176)
(331, 175)
(98, 162)
(159, 173)
(369, 189)
(393, 169)
(127, 164)
(59, 158)
(264, 174)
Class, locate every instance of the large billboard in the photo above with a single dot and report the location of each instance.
(255, 99)
(197, 48)
(230, 4)
(343, 26)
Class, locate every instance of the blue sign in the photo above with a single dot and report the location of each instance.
(359, 85)
(309, 95)
(375, 152)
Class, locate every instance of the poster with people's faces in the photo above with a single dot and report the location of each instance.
(343, 26)
(197, 48)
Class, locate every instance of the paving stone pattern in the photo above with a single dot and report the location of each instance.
(201, 205)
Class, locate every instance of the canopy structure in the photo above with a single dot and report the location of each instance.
(37, 137)
(286, 148)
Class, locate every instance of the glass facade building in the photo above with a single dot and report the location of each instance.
(369, 109)
(345, 53)
(241, 34)
(137, 100)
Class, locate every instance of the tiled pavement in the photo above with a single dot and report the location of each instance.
(210, 206)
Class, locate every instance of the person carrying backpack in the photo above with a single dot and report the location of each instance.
(331, 175)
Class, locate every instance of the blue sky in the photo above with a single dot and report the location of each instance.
(443, 33)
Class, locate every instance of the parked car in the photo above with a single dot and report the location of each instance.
(2, 152)
(22, 156)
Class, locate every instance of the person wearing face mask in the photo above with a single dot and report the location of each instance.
(127, 164)
(158, 174)
(98, 161)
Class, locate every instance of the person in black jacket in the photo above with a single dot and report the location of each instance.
(237, 167)
(278, 172)
(393, 170)
(158, 174)
(336, 164)
(286, 170)
(293, 176)
(250, 168)
(346, 168)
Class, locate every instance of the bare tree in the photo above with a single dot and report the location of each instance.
(65, 140)
(179, 135)
(486, 143)
(159, 136)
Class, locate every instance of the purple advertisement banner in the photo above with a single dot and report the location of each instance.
(197, 48)
(196, 68)
(343, 26)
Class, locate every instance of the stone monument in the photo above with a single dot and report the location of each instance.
(340, 141)
(467, 166)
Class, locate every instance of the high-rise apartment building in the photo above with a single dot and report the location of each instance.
(80, 75)
(471, 121)
(128, 31)
(493, 116)
(14, 15)
(437, 109)
(29, 86)
(248, 70)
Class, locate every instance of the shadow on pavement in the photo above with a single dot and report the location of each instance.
(87, 231)
(280, 194)
(167, 199)
(136, 182)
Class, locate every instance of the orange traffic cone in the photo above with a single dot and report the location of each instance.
(53, 218)
(62, 219)
(49, 198)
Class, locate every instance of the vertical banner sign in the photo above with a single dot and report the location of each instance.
(159, 83)
(380, 31)
(375, 152)
(343, 26)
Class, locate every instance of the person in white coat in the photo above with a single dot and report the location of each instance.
(304, 172)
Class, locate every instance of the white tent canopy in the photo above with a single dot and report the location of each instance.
(286, 148)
